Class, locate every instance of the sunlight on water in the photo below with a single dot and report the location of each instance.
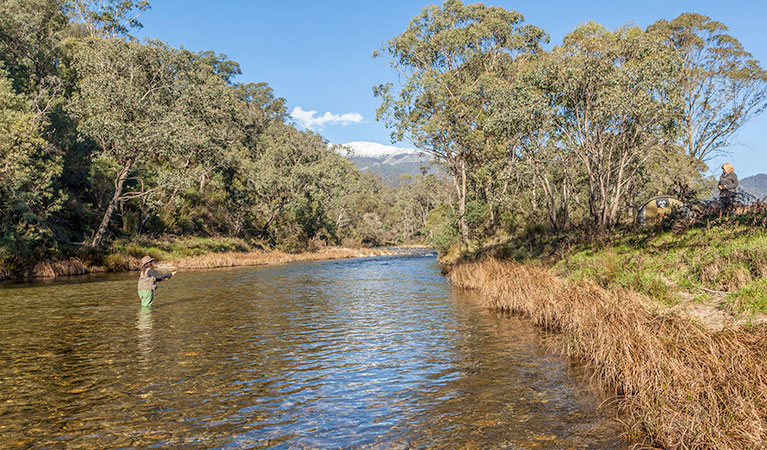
(365, 353)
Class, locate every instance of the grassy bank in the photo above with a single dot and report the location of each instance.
(719, 262)
(179, 253)
(678, 385)
(672, 321)
(725, 262)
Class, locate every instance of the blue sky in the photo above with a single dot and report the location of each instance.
(317, 54)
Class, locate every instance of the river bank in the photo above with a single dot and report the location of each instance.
(184, 254)
(685, 362)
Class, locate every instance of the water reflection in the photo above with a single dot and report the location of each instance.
(144, 325)
(376, 353)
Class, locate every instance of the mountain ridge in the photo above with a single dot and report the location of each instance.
(389, 161)
(755, 185)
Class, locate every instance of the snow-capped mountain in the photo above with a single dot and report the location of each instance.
(364, 149)
(390, 161)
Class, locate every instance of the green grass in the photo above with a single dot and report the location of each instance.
(728, 256)
(751, 298)
(620, 267)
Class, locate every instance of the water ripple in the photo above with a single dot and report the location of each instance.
(369, 353)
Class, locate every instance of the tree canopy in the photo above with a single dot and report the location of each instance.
(103, 136)
(450, 57)
(574, 136)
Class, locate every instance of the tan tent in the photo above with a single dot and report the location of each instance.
(655, 209)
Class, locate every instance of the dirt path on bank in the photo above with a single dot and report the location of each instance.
(713, 314)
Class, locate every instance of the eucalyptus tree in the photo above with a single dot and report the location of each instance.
(617, 106)
(363, 202)
(205, 140)
(286, 184)
(206, 128)
(28, 173)
(523, 110)
(30, 36)
(107, 18)
(448, 59)
(723, 85)
(259, 108)
(256, 111)
(416, 198)
(125, 105)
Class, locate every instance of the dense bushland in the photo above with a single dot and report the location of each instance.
(106, 140)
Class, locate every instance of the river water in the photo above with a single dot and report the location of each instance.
(376, 353)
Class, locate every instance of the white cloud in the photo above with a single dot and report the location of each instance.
(310, 120)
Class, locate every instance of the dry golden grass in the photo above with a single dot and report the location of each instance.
(679, 387)
(67, 267)
(235, 259)
(118, 262)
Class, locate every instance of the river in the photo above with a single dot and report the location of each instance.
(376, 353)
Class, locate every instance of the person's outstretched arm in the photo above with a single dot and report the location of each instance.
(158, 276)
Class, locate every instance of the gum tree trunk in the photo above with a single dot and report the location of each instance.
(119, 183)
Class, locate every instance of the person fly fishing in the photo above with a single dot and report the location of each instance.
(728, 186)
(147, 281)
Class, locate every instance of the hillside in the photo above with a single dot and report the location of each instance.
(755, 185)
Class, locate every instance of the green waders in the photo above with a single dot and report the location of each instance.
(146, 296)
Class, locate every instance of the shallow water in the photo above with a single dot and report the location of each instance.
(376, 353)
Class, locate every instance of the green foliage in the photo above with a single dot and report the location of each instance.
(107, 18)
(623, 82)
(28, 171)
(579, 135)
(128, 104)
(106, 139)
(723, 85)
(30, 33)
(449, 59)
(443, 228)
(477, 213)
(110, 141)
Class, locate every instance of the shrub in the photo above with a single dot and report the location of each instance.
(114, 262)
(443, 228)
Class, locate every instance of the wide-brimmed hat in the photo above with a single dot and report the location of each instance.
(146, 260)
